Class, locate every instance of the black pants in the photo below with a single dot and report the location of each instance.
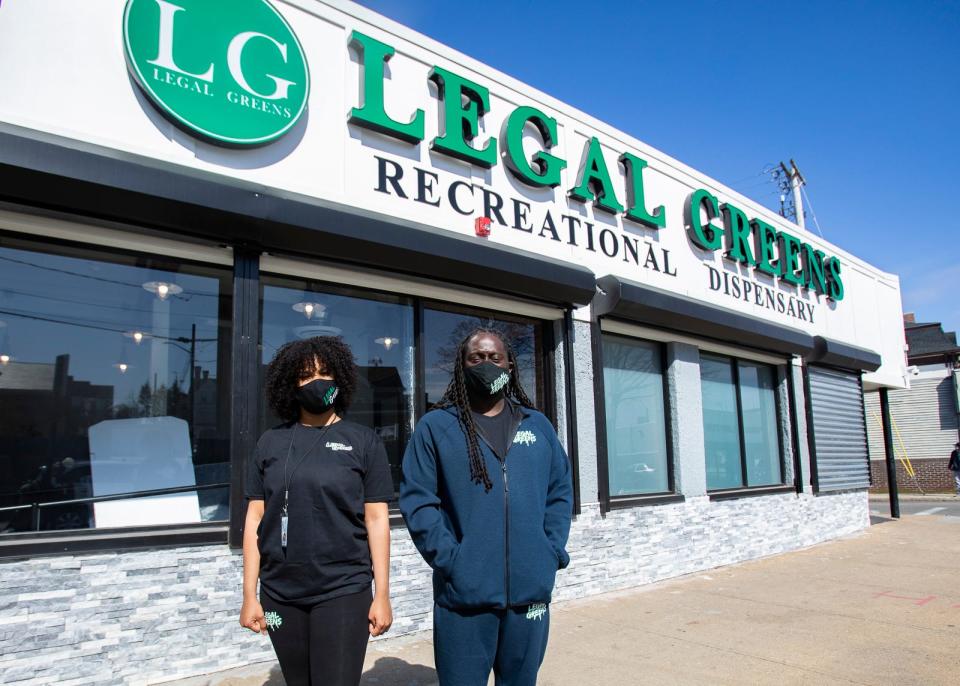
(322, 644)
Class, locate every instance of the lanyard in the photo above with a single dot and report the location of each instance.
(284, 520)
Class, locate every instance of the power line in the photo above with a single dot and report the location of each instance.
(68, 272)
(181, 339)
(87, 303)
(806, 197)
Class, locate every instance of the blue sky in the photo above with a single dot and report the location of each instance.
(864, 96)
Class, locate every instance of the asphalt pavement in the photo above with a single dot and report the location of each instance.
(880, 607)
(946, 506)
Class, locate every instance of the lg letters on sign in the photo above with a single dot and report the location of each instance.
(232, 71)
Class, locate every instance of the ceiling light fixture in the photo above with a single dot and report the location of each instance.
(162, 289)
(310, 310)
(137, 336)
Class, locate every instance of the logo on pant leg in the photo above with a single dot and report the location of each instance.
(537, 611)
(273, 620)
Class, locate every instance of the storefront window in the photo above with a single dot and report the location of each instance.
(379, 331)
(636, 422)
(110, 384)
(760, 437)
(444, 329)
(741, 437)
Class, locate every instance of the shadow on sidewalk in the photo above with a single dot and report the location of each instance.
(275, 678)
(392, 671)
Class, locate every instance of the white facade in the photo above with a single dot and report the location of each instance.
(325, 158)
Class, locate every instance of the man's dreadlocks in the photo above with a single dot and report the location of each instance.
(456, 396)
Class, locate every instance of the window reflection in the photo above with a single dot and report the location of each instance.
(379, 331)
(108, 385)
(721, 423)
(635, 417)
(761, 440)
(726, 383)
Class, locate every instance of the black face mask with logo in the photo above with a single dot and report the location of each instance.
(486, 380)
(317, 396)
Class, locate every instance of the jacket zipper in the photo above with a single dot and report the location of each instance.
(506, 531)
(506, 514)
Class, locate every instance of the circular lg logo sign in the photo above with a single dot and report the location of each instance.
(230, 70)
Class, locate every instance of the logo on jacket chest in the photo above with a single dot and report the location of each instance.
(525, 438)
(338, 446)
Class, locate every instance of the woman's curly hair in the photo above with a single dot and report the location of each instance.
(297, 360)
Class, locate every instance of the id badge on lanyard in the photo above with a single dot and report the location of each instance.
(284, 520)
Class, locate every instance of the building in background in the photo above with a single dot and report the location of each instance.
(200, 182)
(925, 416)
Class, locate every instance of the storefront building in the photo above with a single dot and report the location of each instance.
(186, 185)
(924, 418)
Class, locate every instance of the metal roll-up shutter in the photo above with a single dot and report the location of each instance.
(837, 430)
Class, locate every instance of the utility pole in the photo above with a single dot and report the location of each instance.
(796, 181)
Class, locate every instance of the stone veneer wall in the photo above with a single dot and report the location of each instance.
(149, 616)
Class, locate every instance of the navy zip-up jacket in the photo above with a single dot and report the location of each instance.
(493, 549)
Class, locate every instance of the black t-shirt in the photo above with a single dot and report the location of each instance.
(500, 429)
(341, 467)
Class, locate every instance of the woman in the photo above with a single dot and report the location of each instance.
(487, 496)
(317, 522)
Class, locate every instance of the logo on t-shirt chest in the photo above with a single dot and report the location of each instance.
(336, 447)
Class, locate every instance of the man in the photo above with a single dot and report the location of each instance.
(487, 496)
(954, 467)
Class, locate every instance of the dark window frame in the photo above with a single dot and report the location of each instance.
(21, 544)
(744, 488)
(241, 299)
(544, 342)
(610, 502)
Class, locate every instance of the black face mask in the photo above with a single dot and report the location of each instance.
(317, 396)
(486, 380)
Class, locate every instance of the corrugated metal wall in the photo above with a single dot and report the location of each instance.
(836, 407)
(925, 416)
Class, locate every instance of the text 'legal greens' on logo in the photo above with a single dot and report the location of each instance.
(232, 71)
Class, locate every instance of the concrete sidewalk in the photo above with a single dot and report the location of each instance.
(882, 607)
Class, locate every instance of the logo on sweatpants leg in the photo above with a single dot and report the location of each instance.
(273, 620)
(537, 611)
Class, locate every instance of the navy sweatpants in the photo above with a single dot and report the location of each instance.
(467, 644)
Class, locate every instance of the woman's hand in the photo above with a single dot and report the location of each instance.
(251, 616)
(380, 616)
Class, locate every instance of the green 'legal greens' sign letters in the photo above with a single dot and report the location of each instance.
(230, 70)
(463, 104)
